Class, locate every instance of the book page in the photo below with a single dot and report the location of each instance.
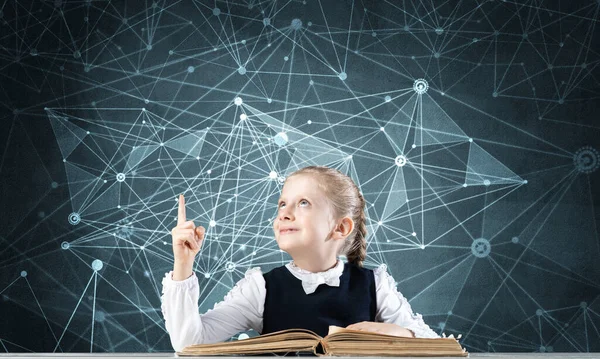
(335, 329)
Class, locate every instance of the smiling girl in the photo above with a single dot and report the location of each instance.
(320, 216)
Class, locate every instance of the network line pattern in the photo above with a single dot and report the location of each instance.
(470, 127)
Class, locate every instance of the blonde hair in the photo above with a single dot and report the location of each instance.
(346, 200)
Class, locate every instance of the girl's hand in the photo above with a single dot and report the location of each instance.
(383, 328)
(187, 239)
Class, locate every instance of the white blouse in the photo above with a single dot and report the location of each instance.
(242, 308)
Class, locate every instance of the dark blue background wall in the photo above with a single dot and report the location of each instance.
(471, 127)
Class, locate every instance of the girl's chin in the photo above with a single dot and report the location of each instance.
(287, 243)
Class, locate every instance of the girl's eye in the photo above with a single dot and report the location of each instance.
(282, 203)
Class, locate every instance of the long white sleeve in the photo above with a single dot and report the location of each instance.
(241, 310)
(392, 306)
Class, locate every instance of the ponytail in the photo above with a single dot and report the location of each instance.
(357, 252)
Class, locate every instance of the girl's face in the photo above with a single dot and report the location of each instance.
(303, 208)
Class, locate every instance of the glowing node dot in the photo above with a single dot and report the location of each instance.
(388, 98)
(216, 11)
(242, 70)
(515, 240)
(230, 267)
(309, 122)
(269, 100)
(380, 223)
(74, 218)
(486, 182)
(209, 171)
(414, 146)
(23, 274)
(481, 248)
(266, 21)
(414, 234)
(100, 316)
(420, 86)
(281, 139)
(243, 117)
(238, 101)
(343, 76)
(120, 177)
(207, 275)
(400, 160)
(212, 223)
(97, 265)
(586, 159)
(190, 69)
(65, 245)
(296, 24)
(273, 175)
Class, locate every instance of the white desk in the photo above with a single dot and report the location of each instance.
(172, 355)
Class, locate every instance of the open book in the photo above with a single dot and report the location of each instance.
(339, 341)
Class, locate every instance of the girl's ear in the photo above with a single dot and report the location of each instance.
(343, 228)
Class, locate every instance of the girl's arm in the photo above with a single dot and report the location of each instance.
(392, 306)
(241, 309)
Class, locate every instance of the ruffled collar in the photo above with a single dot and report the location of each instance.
(310, 280)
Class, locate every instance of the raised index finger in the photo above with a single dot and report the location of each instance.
(181, 211)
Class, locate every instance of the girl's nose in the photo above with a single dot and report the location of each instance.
(285, 214)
